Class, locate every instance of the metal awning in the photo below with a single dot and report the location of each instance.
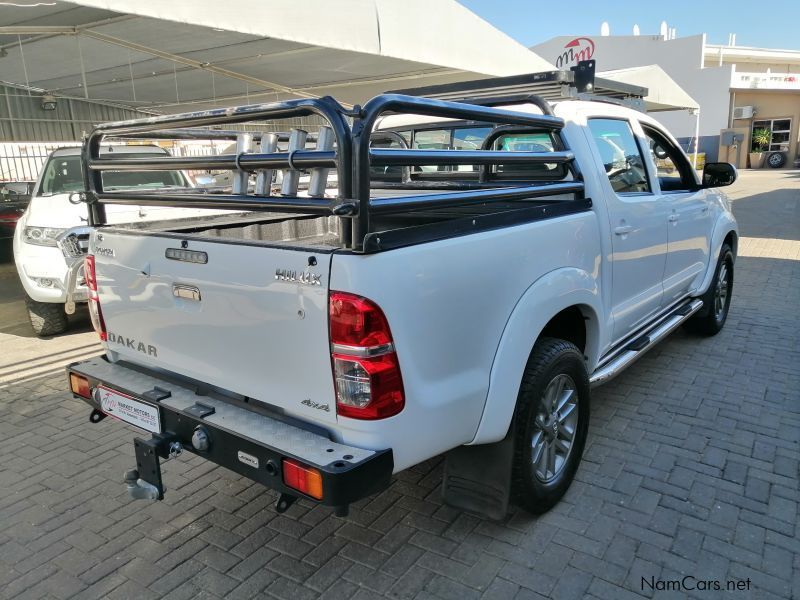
(168, 57)
(663, 92)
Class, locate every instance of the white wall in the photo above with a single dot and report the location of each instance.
(681, 58)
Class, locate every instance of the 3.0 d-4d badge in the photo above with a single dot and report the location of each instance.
(305, 277)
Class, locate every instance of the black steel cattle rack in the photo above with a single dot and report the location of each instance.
(351, 156)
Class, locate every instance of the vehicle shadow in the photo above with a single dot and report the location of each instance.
(772, 215)
(80, 322)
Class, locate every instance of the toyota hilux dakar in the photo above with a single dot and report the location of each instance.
(434, 277)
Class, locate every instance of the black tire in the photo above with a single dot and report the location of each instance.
(550, 360)
(710, 320)
(776, 160)
(47, 318)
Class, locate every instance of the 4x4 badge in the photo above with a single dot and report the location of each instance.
(317, 405)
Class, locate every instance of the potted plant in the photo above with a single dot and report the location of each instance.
(758, 144)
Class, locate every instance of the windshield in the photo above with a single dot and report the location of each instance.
(63, 175)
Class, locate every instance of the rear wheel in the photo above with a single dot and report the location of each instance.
(717, 300)
(47, 318)
(551, 422)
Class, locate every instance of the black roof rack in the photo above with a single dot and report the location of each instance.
(578, 83)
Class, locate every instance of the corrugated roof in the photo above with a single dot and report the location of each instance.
(22, 118)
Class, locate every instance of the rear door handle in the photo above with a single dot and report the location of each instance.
(623, 229)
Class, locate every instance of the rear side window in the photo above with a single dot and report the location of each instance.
(620, 154)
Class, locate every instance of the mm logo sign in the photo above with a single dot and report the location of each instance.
(579, 49)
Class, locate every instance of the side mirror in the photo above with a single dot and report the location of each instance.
(719, 174)
(659, 152)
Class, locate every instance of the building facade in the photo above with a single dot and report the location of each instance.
(739, 89)
(764, 95)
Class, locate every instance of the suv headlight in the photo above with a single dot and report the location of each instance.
(42, 236)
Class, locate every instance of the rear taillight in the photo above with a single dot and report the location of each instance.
(95, 311)
(80, 385)
(365, 366)
(302, 478)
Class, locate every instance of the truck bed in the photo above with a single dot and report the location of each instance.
(323, 233)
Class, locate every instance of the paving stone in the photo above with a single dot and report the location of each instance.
(253, 586)
(447, 589)
(572, 584)
(500, 589)
(528, 578)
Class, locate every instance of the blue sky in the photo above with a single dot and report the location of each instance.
(772, 24)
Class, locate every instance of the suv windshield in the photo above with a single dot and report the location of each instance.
(63, 175)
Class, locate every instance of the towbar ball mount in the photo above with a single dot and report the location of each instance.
(148, 465)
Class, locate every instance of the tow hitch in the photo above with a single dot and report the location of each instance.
(139, 489)
(144, 482)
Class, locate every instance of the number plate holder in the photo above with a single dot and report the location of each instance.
(129, 409)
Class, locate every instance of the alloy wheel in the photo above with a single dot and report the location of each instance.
(556, 424)
(721, 292)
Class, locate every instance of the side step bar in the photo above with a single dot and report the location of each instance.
(634, 350)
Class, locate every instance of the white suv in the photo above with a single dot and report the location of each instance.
(49, 235)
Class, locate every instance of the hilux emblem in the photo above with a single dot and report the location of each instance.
(306, 277)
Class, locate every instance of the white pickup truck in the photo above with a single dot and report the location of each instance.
(477, 268)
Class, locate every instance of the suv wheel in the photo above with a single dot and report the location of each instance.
(717, 300)
(47, 318)
(551, 422)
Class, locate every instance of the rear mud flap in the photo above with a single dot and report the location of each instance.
(478, 478)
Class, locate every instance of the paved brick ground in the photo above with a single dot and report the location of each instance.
(691, 468)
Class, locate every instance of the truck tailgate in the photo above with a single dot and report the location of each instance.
(252, 319)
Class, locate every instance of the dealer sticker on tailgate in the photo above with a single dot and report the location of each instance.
(128, 409)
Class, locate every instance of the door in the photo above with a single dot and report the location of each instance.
(689, 216)
(638, 225)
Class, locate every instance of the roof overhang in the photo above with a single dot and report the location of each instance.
(185, 55)
(748, 54)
